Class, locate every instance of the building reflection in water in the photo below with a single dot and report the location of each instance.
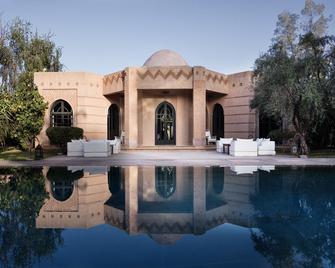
(163, 202)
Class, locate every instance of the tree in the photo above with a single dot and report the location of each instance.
(22, 53)
(6, 118)
(295, 217)
(295, 77)
(22, 194)
(28, 109)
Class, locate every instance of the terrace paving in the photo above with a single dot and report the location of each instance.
(174, 158)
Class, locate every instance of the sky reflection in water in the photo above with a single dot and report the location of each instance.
(167, 216)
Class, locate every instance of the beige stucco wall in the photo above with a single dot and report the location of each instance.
(239, 119)
(87, 206)
(147, 104)
(84, 208)
(83, 91)
(138, 92)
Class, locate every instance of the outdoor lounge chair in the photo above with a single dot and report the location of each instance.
(266, 147)
(209, 137)
(97, 148)
(239, 170)
(221, 142)
(243, 147)
(266, 168)
(115, 145)
(75, 148)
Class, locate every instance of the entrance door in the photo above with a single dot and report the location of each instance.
(113, 124)
(218, 121)
(165, 124)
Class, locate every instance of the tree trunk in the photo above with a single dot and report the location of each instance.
(304, 149)
(301, 134)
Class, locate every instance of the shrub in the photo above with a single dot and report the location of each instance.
(280, 136)
(61, 135)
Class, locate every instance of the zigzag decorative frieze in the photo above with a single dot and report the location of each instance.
(215, 221)
(115, 221)
(154, 74)
(109, 79)
(215, 77)
(165, 228)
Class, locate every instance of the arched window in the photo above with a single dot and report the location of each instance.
(62, 181)
(61, 114)
(165, 181)
(165, 124)
(218, 121)
(62, 190)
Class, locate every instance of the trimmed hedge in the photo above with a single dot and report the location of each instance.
(281, 137)
(61, 135)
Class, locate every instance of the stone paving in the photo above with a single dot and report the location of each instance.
(175, 158)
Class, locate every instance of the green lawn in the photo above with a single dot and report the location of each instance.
(322, 153)
(13, 154)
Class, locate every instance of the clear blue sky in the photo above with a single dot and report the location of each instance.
(104, 36)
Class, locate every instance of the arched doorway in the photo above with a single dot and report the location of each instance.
(116, 185)
(218, 121)
(165, 132)
(113, 123)
(165, 181)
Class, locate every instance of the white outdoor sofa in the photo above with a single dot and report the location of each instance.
(266, 147)
(93, 148)
(75, 148)
(115, 145)
(239, 170)
(221, 142)
(97, 148)
(209, 137)
(243, 147)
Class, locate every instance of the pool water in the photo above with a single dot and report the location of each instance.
(135, 216)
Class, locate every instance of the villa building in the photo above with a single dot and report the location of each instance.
(164, 102)
(165, 203)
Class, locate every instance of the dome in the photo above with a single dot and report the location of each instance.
(165, 57)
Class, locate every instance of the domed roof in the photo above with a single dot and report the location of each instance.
(165, 57)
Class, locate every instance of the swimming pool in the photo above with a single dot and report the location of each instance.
(167, 216)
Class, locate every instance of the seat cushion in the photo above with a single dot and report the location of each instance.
(226, 140)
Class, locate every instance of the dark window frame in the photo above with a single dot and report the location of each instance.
(165, 106)
(61, 114)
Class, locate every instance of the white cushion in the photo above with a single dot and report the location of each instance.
(243, 147)
(226, 140)
(259, 141)
(267, 147)
(244, 140)
(244, 169)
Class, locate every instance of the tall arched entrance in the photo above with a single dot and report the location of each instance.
(113, 122)
(165, 131)
(218, 121)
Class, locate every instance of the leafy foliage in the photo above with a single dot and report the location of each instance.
(22, 194)
(23, 52)
(6, 117)
(294, 79)
(61, 135)
(280, 136)
(295, 217)
(28, 109)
